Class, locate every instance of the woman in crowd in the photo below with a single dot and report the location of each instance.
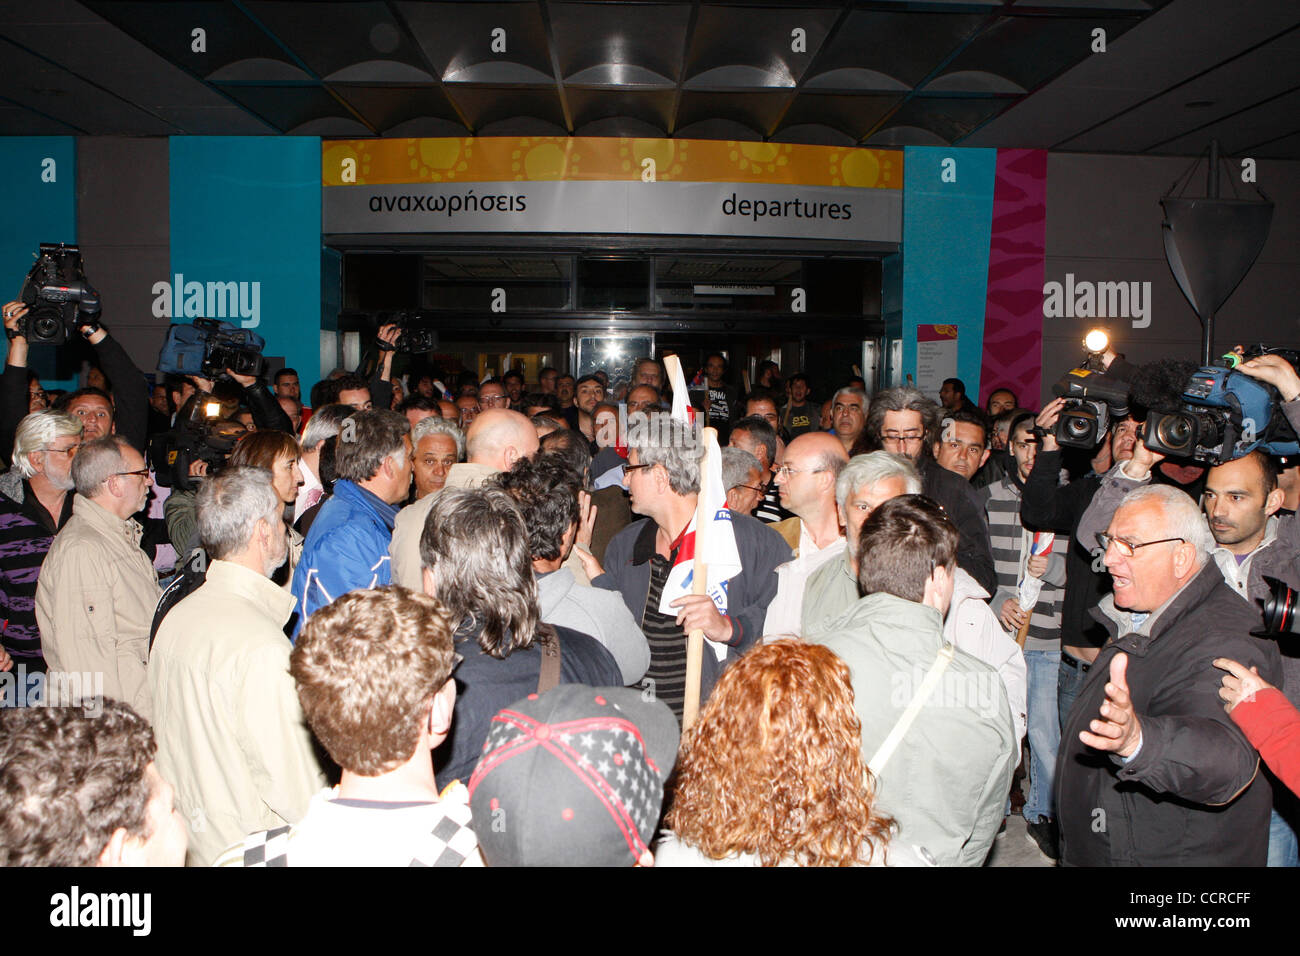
(772, 772)
(278, 453)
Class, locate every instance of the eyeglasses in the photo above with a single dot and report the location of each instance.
(141, 472)
(756, 488)
(909, 437)
(492, 399)
(627, 468)
(69, 451)
(1124, 547)
(786, 471)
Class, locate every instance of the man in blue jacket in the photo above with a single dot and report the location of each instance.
(663, 480)
(347, 547)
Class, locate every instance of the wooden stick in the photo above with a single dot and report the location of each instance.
(699, 585)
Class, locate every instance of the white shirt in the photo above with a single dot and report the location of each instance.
(309, 483)
(785, 613)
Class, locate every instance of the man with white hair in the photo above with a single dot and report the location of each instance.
(849, 415)
(34, 504)
(494, 441)
(231, 736)
(97, 590)
(1151, 770)
(742, 478)
(322, 426)
(439, 446)
(866, 482)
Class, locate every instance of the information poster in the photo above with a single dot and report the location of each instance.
(936, 357)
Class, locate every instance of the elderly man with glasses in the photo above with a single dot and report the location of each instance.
(1151, 770)
(97, 591)
(905, 422)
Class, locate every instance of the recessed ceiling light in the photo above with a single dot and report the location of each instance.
(1200, 104)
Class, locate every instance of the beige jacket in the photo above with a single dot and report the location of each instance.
(231, 736)
(95, 601)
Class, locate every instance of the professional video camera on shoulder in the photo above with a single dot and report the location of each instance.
(207, 347)
(416, 336)
(1225, 414)
(1092, 398)
(58, 297)
(202, 433)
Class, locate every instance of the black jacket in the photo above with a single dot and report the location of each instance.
(1192, 796)
(960, 500)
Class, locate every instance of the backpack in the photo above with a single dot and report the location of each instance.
(190, 578)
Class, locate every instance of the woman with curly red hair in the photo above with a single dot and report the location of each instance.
(772, 772)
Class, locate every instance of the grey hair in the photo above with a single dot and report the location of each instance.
(660, 439)
(1182, 518)
(903, 399)
(856, 392)
(865, 470)
(326, 422)
(367, 438)
(475, 546)
(230, 505)
(736, 466)
(97, 461)
(434, 425)
(36, 431)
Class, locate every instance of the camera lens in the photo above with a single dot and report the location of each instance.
(1078, 427)
(1280, 608)
(45, 326)
(1175, 431)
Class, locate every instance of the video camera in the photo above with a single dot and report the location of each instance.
(204, 436)
(416, 336)
(1225, 414)
(1091, 401)
(59, 300)
(1280, 609)
(207, 347)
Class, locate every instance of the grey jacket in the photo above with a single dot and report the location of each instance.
(947, 781)
(598, 613)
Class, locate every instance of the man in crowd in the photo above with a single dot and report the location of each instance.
(1014, 558)
(647, 372)
(475, 560)
(946, 780)
(762, 403)
(963, 445)
(418, 407)
(801, 412)
(722, 398)
(286, 385)
(230, 731)
(1240, 502)
(36, 498)
(612, 513)
(848, 416)
(439, 445)
(644, 399)
(546, 492)
(663, 480)
(742, 478)
(347, 546)
(564, 389)
(324, 425)
(496, 440)
(589, 392)
(82, 789)
(546, 380)
(467, 409)
(757, 437)
(373, 675)
(97, 590)
(1000, 400)
(513, 380)
(904, 421)
(493, 394)
(807, 482)
(1147, 747)
(952, 396)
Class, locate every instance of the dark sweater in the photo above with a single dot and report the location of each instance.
(26, 533)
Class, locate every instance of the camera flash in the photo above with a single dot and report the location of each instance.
(212, 409)
(1096, 340)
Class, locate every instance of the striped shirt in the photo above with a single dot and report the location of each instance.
(26, 533)
(1011, 541)
(666, 676)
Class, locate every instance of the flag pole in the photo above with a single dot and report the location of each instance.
(699, 585)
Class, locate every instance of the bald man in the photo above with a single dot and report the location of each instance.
(806, 480)
(494, 442)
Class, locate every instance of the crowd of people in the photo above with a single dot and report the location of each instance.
(435, 621)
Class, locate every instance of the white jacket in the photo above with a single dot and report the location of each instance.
(973, 627)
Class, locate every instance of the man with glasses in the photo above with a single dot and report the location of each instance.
(97, 591)
(1014, 559)
(742, 477)
(34, 504)
(756, 436)
(807, 482)
(905, 422)
(492, 394)
(1151, 770)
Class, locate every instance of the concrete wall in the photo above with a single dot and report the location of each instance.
(1103, 224)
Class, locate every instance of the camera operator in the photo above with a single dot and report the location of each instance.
(1240, 504)
(125, 413)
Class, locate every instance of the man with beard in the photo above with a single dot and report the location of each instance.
(231, 736)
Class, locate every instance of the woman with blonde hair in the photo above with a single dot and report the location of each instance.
(772, 772)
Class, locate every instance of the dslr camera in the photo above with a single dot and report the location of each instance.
(1224, 415)
(207, 347)
(204, 436)
(59, 300)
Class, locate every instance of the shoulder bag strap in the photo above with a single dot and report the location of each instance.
(886, 750)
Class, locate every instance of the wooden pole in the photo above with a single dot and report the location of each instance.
(699, 585)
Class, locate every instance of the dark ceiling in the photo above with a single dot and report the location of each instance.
(966, 72)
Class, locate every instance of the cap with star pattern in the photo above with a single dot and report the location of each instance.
(574, 777)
